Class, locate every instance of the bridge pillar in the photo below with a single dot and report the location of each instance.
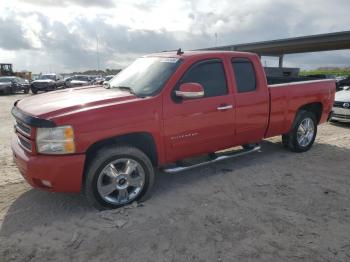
(280, 61)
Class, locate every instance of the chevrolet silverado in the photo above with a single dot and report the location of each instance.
(171, 111)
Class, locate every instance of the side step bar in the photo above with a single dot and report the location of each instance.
(213, 158)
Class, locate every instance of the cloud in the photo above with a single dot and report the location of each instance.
(85, 3)
(39, 39)
(12, 35)
(73, 46)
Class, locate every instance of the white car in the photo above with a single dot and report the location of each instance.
(79, 80)
(107, 79)
(341, 106)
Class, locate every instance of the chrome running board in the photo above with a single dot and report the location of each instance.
(214, 158)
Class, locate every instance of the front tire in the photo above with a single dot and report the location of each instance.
(118, 176)
(303, 132)
(34, 90)
(10, 90)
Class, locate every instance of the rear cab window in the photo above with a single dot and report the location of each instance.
(244, 73)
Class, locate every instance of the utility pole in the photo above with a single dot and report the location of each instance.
(216, 39)
(98, 54)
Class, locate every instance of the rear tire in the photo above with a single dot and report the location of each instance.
(118, 176)
(303, 132)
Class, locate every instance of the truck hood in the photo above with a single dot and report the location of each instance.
(60, 102)
(342, 96)
(5, 83)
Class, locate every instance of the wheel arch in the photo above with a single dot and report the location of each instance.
(144, 141)
(315, 108)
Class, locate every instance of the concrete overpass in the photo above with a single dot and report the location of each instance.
(304, 44)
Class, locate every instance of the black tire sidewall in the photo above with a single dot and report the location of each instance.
(106, 156)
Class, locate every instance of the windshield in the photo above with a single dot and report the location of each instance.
(146, 76)
(6, 79)
(53, 77)
(108, 78)
(81, 78)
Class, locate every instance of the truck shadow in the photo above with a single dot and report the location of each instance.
(270, 153)
(35, 207)
(341, 125)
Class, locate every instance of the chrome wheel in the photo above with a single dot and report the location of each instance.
(121, 181)
(306, 132)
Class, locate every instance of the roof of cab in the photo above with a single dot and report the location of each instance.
(188, 54)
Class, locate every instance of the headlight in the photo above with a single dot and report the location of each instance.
(56, 140)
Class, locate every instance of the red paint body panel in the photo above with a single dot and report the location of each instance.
(64, 172)
(251, 108)
(179, 130)
(287, 99)
(196, 124)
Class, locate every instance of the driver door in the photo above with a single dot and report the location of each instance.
(200, 125)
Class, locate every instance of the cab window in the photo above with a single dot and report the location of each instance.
(210, 74)
(244, 73)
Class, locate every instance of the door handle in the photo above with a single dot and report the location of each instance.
(224, 107)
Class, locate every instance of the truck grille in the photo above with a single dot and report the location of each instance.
(23, 128)
(26, 144)
(342, 116)
(339, 104)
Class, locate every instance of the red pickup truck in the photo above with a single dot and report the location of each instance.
(172, 110)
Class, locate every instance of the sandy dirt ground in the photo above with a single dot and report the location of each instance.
(273, 205)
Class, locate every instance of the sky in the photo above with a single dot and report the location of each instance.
(76, 35)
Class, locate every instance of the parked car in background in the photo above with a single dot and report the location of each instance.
(98, 80)
(341, 106)
(47, 82)
(338, 78)
(13, 84)
(66, 81)
(343, 82)
(321, 76)
(107, 79)
(79, 80)
(170, 110)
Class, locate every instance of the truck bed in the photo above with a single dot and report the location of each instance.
(272, 80)
(287, 99)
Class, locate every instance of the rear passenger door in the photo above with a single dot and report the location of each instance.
(252, 100)
(201, 125)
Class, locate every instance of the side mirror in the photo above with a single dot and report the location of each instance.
(190, 90)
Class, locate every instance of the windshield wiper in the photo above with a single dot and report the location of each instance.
(132, 91)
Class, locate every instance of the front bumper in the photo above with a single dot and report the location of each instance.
(64, 173)
(341, 114)
(42, 86)
(4, 89)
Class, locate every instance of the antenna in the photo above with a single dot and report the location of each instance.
(179, 52)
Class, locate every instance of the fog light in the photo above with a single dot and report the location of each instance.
(46, 183)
